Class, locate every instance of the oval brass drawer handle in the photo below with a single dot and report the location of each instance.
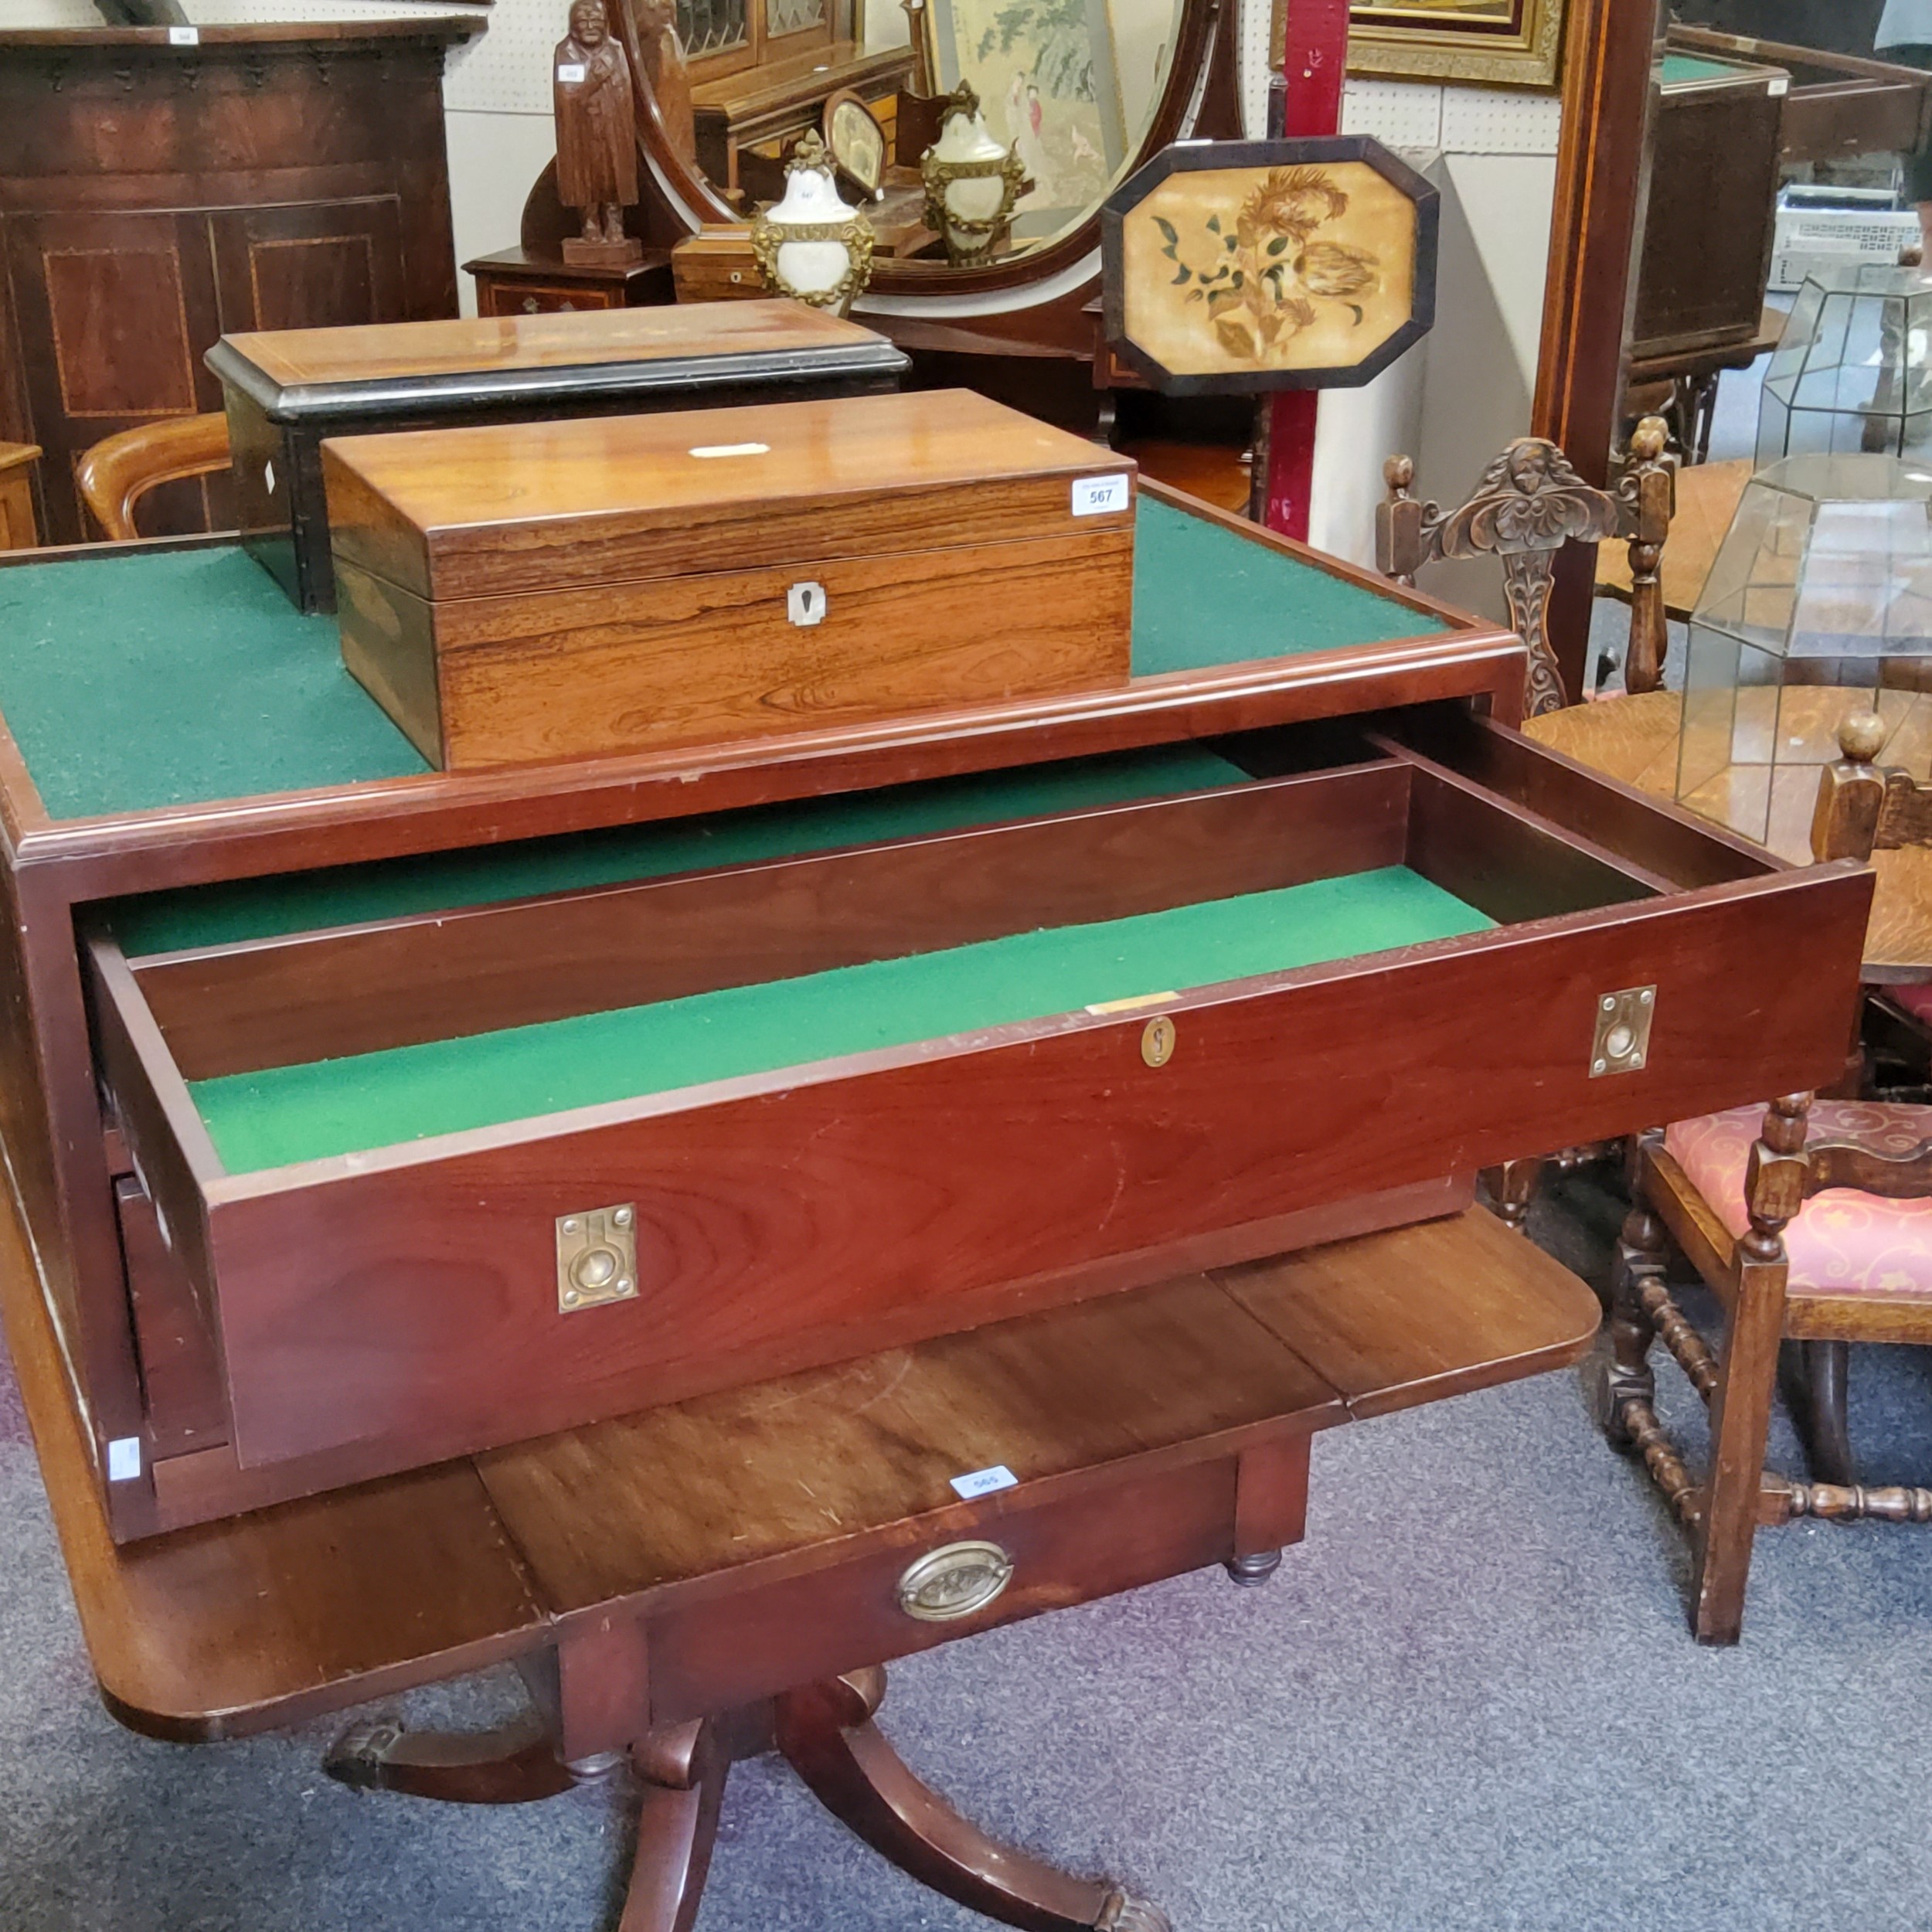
(954, 1582)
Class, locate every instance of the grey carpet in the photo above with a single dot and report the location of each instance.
(1469, 1701)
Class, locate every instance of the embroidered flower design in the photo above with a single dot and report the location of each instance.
(1263, 278)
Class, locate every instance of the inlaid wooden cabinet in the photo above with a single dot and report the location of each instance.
(155, 196)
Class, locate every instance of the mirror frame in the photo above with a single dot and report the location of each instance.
(1202, 94)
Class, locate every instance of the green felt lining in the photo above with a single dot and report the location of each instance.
(247, 909)
(183, 677)
(1682, 69)
(286, 1114)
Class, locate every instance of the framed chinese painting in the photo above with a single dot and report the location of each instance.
(1499, 43)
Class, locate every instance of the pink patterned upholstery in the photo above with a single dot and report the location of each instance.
(1841, 1240)
(1916, 1000)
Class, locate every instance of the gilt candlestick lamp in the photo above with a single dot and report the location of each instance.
(811, 245)
(972, 183)
(1817, 607)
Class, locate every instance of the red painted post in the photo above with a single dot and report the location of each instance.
(1304, 97)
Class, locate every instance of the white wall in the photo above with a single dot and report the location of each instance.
(1459, 395)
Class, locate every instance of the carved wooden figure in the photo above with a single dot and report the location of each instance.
(597, 150)
(1529, 503)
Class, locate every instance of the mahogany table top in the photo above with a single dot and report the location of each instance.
(168, 718)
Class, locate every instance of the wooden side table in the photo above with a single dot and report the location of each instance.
(722, 1577)
(524, 282)
(19, 530)
(1708, 495)
(1692, 376)
(1635, 740)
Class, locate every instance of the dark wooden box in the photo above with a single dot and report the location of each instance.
(286, 391)
(541, 592)
(1842, 101)
(487, 1174)
(1711, 217)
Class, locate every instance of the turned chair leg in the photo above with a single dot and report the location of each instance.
(1741, 1404)
(1816, 1376)
(827, 1734)
(1513, 1186)
(1642, 1312)
(1639, 1259)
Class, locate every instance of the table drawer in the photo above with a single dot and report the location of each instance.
(542, 298)
(445, 1182)
(971, 1569)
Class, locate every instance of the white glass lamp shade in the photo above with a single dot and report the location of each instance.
(811, 267)
(976, 197)
(972, 183)
(811, 245)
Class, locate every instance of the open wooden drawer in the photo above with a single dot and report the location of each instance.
(451, 1179)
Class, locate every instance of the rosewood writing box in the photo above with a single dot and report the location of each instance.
(540, 592)
(286, 389)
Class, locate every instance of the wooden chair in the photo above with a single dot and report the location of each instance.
(1815, 1231)
(120, 470)
(1527, 505)
(18, 528)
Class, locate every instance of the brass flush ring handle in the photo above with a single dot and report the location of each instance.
(596, 1257)
(1621, 1041)
(954, 1582)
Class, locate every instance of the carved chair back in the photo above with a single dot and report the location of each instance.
(120, 470)
(1787, 1169)
(1528, 504)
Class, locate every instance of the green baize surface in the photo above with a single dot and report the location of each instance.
(286, 1114)
(246, 909)
(1681, 69)
(184, 677)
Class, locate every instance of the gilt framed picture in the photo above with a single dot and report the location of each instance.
(1232, 267)
(1513, 43)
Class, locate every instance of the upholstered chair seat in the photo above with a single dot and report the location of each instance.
(1841, 1241)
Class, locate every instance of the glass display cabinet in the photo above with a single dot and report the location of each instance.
(1819, 604)
(1853, 373)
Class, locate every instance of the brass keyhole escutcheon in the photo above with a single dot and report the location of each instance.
(1157, 1041)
